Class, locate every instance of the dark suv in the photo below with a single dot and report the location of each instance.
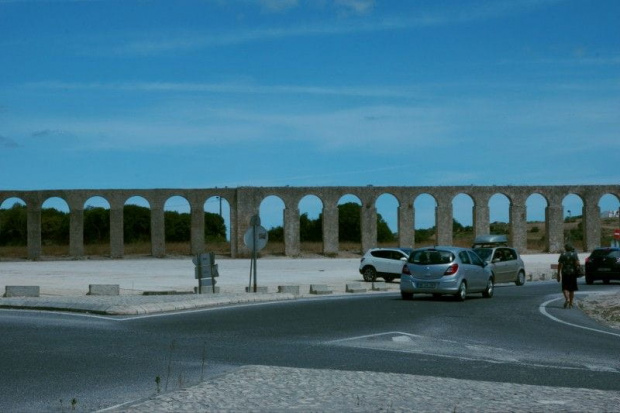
(603, 264)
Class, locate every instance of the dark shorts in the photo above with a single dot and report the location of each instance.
(569, 282)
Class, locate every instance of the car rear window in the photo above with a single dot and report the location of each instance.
(604, 252)
(431, 257)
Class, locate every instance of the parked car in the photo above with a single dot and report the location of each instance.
(445, 270)
(386, 263)
(505, 263)
(603, 264)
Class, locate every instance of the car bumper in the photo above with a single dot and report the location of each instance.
(444, 285)
(601, 275)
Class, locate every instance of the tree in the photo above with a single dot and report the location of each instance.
(96, 225)
(13, 225)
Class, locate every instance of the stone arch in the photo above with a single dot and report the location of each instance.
(350, 229)
(536, 220)
(609, 209)
(96, 227)
(177, 225)
(573, 227)
(55, 226)
(425, 220)
(13, 227)
(311, 224)
(271, 212)
(387, 207)
(137, 226)
(499, 213)
(218, 206)
(463, 215)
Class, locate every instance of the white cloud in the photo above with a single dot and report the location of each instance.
(184, 41)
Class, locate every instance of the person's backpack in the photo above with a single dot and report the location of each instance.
(570, 266)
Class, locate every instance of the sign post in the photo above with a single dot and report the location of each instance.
(255, 238)
(205, 271)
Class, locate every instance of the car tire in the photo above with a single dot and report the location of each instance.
(589, 280)
(520, 278)
(388, 279)
(488, 291)
(461, 294)
(605, 280)
(406, 296)
(369, 274)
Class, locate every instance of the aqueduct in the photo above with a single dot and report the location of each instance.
(245, 202)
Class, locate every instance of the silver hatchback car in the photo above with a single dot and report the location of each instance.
(445, 270)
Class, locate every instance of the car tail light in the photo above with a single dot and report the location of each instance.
(452, 269)
(587, 260)
(406, 270)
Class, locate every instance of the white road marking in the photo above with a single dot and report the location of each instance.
(543, 310)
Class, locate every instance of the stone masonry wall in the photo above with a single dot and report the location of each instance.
(245, 202)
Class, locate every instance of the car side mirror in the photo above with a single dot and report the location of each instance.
(403, 259)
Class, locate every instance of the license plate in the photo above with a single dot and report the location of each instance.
(604, 269)
(427, 285)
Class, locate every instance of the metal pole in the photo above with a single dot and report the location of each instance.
(254, 253)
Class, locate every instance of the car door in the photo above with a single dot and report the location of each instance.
(511, 264)
(471, 271)
(479, 274)
(382, 260)
(396, 262)
(499, 265)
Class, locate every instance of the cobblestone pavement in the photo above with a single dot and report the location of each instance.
(277, 389)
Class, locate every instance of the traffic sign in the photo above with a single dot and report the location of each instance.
(617, 233)
(255, 238)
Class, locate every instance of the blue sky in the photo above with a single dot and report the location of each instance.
(152, 94)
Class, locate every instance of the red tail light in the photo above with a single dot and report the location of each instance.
(406, 270)
(452, 269)
(587, 260)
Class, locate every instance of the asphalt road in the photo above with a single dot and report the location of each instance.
(49, 359)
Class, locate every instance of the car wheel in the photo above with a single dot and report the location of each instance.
(589, 280)
(406, 296)
(488, 292)
(388, 279)
(461, 294)
(520, 278)
(436, 296)
(606, 281)
(369, 274)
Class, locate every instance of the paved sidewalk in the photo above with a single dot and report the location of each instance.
(64, 285)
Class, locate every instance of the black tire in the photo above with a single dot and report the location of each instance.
(605, 280)
(369, 274)
(437, 296)
(461, 294)
(488, 291)
(589, 280)
(520, 278)
(388, 279)
(406, 296)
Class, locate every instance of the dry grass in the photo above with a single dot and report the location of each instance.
(536, 243)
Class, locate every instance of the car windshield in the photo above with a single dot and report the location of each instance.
(484, 253)
(431, 257)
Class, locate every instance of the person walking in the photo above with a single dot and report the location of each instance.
(568, 270)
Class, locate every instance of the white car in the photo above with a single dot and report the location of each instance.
(386, 263)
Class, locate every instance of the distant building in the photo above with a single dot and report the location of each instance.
(610, 214)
